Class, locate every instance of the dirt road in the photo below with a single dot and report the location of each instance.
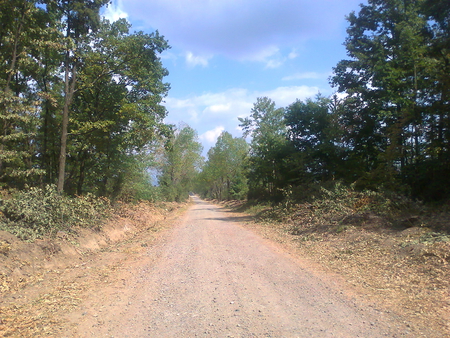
(210, 277)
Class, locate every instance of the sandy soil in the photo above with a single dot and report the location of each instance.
(207, 275)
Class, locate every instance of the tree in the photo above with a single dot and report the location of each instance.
(223, 175)
(61, 63)
(396, 90)
(117, 109)
(181, 164)
(316, 136)
(24, 30)
(81, 18)
(268, 149)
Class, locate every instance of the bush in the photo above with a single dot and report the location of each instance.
(36, 212)
(334, 205)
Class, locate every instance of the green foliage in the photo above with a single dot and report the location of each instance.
(315, 133)
(136, 182)
(268, 149)
(35, 212)
(396, 111)
(334, 206)
(80, 97)
(22, 29)
(223, 175)
(19, 124)
(180, 164)
(117, 111)
(343, 199)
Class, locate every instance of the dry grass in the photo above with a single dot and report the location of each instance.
(398, 263)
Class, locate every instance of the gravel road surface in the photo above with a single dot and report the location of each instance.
(212, 277)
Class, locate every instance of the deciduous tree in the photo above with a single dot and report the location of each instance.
(223, 175)
(268, 148)
(181, 164)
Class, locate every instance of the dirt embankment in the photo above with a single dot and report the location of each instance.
(40, 280)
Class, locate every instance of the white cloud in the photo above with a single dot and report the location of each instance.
(219, 108)
(211, 135)
(212, 113)
(194, 60)
(263, 54)
(284, 96)
(274, 63)
(169, 56)
(206, 110)
(293, 54)
(114, 11)
(270, 55)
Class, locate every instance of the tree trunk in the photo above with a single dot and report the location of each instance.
(82, 174)
(69, 89)
(7, 89)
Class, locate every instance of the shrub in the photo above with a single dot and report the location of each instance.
(36, 212)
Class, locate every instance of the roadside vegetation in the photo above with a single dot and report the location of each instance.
(35, 212)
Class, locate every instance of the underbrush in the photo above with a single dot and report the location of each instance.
(336, 208)
(37, 212)
(342, 206)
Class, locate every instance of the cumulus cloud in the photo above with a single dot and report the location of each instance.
(234, 102)
(114, 11)
(211, 135)
(293, 54)
(212, 113)
(284, 96)
(193, 60)
(274, 63)
(203, 112)
(239, 29)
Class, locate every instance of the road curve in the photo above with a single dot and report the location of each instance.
(214, 278)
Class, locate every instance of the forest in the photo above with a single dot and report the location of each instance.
(82, 115)
(387, 128)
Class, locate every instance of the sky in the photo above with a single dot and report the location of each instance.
(226, 53)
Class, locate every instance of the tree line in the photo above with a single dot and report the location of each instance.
(81, 99)
(387, 127)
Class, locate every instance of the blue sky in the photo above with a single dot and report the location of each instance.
(227, 53)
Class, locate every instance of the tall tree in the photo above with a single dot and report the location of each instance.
(81, 18)
(181, 164)
(24, 28)
(223, 175)
(117, 110)
(314, 131)
(394, 84)
(268, 148)
(58, 63)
